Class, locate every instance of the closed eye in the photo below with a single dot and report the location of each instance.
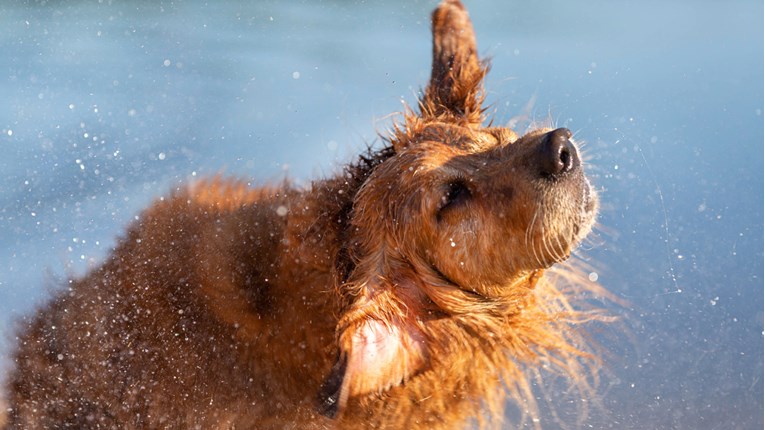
(456, 194)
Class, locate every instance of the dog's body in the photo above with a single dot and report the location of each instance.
(406, 292)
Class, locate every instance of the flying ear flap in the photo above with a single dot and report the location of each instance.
(379, 347)
(456, 80)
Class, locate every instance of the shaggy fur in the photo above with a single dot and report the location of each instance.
(408, 292)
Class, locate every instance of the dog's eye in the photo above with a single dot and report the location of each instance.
(456, 194)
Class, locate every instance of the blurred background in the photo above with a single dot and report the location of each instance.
(107, 105)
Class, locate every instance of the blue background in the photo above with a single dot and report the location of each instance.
(106, 105)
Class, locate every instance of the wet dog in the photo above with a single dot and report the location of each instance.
(407, 292)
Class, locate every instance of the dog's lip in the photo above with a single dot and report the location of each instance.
(452, 283)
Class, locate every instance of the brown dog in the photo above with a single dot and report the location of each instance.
(407, 292)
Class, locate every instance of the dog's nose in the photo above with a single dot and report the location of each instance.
(556, 154)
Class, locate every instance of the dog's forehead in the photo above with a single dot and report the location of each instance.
(461, 138)
(446, 155)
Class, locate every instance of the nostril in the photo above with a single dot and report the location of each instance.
(565, 157)
(557, 155)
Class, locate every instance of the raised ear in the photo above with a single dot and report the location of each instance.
(379, 346)
(456, 80)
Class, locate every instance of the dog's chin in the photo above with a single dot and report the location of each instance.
(590, 199)
(588, 212)
(558, 248)
(584, 220)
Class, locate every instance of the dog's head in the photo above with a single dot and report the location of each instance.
(460, 215)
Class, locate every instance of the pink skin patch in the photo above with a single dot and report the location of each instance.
(379, 350)
(381, 356)
(385, 354)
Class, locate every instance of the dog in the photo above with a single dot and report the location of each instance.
(413, 290)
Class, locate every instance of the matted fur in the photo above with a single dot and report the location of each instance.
(407, 292)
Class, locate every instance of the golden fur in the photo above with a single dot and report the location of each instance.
(407, 292)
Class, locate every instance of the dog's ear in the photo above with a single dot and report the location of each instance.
(380, 346)
(456, 80)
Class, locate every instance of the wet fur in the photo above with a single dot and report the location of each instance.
(367, 300)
